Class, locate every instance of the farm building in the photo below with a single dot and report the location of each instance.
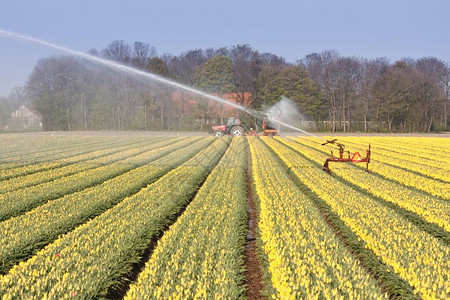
(23, 117)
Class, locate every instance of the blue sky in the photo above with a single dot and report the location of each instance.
(292, 29)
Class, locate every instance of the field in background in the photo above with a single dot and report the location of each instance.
(167, 215)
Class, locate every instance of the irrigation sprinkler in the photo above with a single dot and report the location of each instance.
(355, 158)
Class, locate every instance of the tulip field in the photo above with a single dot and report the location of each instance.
(164, 217)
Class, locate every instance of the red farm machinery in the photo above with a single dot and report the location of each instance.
(355, 158)
(235, 127)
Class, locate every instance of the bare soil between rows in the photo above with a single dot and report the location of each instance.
(253, 273)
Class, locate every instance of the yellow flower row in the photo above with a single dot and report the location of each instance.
(306, 259)
(17, 144)
(26, 152)
(19, 201)
(42, 225)
(73, 165)
(87, 261)
(438, 169)
(418, 148)
(419, 258)
(423, 183)
(425, 142)
(431, 208)
(200, 256)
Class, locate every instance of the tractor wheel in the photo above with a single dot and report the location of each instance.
(237, 131)
(219, 133)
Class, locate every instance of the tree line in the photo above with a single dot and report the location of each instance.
(333, 92)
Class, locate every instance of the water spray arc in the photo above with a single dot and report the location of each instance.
(130, 70)
(121, 67)
(133, 71)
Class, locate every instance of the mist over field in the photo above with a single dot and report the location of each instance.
(353, 67)
(330, 92)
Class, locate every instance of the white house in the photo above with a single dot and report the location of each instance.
(24, 118)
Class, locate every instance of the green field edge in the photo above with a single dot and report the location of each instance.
(388, 280)
(412, 217)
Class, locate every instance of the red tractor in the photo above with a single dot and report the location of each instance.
(234, 127)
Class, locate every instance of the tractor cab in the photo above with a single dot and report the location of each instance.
(233, 127)
(232, 121)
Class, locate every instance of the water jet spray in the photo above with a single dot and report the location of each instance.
(121, 67)
(148, 75)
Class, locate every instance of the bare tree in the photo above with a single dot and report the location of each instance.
(394, 91)
(211, 52)
(56, 87)
(371, 71)
(159, 66)
(323, 69)
(18, 96)
(330, 92)
(245, 70)
(183, 67)
(267, 58)
(349, 79)
(141, 54)
(93, 52)
(117, 50)
(216, 77)
(438, 72)
(317, 63)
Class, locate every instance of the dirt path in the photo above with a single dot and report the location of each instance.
(253, 274)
